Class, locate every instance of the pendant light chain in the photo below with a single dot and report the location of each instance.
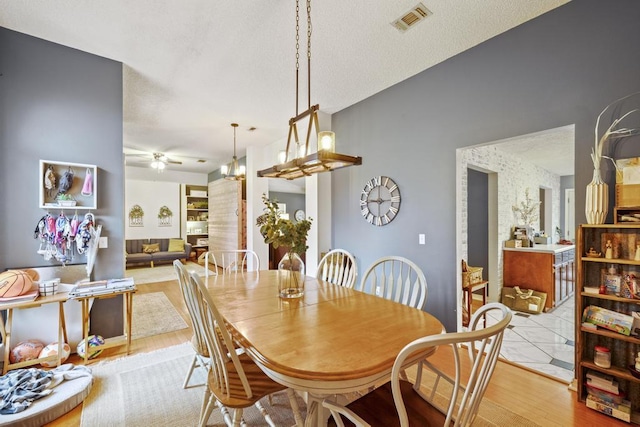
(293, 162)
(234, 139)
(297, 49)
(309, 53)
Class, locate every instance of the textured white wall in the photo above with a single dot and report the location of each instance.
(514, 176)
(151, 196)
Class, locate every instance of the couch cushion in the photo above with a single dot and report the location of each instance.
(167, 256)
(176, 245)
(164, 243)
(139, 257)
(151, 248)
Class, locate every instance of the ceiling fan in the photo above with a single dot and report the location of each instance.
(157, 161)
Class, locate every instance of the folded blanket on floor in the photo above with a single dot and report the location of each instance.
(20, 387)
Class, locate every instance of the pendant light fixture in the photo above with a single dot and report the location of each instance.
(233, 171)
(298, 161)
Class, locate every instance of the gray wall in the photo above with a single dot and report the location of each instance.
(57, 103)
(561, 68)
(478, 220)
(293, 201)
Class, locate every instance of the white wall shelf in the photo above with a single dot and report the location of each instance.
(48, 193)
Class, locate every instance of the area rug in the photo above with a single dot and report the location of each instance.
(160, 273)
(146, 390)
(154, 314)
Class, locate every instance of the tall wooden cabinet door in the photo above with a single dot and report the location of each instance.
(557, 279)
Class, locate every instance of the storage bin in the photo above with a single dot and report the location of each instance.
(526, 300)
(471, 276)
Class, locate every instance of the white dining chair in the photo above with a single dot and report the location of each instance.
(231, 261)
(451, 401)
(338, 267)
(201, 354)
(234, 381)
(395, 278)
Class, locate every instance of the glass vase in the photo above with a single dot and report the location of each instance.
(291, 276)
(596, 200)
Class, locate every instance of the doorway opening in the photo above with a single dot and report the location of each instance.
(542, 164)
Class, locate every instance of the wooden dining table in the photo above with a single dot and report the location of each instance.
(332, 340)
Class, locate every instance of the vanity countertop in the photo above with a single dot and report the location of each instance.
(544, 248)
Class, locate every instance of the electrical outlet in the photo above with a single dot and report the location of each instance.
(103, 243)
(421, 239)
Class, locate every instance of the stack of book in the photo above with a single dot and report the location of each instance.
(604, 395)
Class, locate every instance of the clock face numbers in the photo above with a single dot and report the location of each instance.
(380, 201)
(299, 215)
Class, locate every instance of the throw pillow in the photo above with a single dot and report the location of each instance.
(176, 245)
(151, 248)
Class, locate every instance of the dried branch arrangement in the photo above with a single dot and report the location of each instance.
(528, 210)
(612, 132)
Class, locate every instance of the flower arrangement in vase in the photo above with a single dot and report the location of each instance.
(597, 194)
(279, 231)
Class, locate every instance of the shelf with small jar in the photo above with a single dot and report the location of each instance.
(608, 312)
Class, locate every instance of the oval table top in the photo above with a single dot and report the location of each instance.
(331, 340)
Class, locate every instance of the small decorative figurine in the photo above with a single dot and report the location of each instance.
(637, 257)
(609, 252)
(593, 254)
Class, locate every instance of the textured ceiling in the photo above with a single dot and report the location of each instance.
(551, 149)
(192, 67)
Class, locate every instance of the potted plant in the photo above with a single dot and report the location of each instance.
(278, 231)
(65, 200)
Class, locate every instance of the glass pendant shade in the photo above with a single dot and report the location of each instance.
(282, 157)
(157, 164)
(327, 141)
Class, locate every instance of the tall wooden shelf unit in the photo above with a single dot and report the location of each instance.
(590, 273)
(195, 215)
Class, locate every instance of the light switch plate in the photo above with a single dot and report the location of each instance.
(103, 242)
(421, 239)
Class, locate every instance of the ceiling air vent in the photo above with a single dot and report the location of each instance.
(416, 14)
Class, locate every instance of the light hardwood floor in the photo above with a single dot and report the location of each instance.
(543, 400)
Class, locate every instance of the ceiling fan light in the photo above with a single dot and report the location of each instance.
(161, 165)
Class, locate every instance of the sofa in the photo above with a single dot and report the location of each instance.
(155, 250)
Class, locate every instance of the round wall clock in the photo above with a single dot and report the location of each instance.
(380, 201)
(299, 215)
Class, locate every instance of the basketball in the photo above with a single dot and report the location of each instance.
(94, 340)
(14, 283)
(26, 350)
(52, 349)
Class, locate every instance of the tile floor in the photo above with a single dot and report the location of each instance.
(543, 342)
